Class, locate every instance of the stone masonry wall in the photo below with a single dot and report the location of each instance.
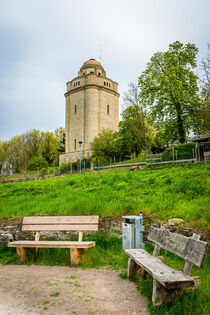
(12, 231)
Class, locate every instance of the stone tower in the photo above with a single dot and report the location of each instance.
(91, 105)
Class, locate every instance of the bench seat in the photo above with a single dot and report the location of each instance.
(51, 244)
(165, 275)
(167, 282)
(57, 223)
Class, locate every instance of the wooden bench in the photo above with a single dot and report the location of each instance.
(53, 223)
(166, 280)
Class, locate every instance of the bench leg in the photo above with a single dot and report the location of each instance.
(76, 255)
(134, 270)
(160, 294)
(21, 253)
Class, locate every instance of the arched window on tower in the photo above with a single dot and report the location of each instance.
(75, 144)
(75, 109)
(107, 109)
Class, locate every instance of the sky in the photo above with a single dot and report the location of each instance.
(43, 44)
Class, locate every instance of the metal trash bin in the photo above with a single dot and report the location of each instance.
(132, 232)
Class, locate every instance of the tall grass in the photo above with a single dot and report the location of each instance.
(177, 191)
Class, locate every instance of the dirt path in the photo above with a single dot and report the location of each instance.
(61, 290)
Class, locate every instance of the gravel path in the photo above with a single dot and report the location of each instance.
(54, 290)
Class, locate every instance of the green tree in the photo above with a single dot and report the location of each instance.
(204, 112)
(37, 163)
(135, 133)
(169, 90)
(60, 136)
(106, 144)
(136, 112)
(49, 147)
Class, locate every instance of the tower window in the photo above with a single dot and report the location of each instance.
(75, 144)
(99, 73)
(107, 109)
(75, 109)
(105, 83)
(78, 82)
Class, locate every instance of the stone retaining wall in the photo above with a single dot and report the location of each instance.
(11, 231)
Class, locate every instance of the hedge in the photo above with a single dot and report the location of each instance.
(182, 151)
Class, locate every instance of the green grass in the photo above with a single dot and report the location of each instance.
(108, 252)
(164, 193)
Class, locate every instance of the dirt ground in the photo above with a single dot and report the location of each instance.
(61, 290)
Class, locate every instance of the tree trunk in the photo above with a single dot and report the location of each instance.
(181, 130)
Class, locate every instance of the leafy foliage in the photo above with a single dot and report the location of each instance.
(182, 151)
(20, 149)
(169, 90)
(37, 163)
(106, 144)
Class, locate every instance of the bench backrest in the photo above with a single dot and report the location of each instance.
(189, 248)
(61, 223)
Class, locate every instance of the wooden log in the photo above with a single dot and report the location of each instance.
(21, 253)
(61, 220)
(160, 294)
(188, 265)
(132, 268)
(80, 236)
(165, 275)
(51, 244)
(188, 248)
(60, 227)
(156, 250)
(37, 237)
(75, 256)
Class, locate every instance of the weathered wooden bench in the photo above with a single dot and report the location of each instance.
(53, 223)
(167, 281)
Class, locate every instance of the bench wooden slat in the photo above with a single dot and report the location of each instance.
(165, 275)
(61, 220)
(51, 244)
(187, 248)
(60, 227)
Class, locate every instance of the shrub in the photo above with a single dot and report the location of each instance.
(65, 168)
(37, 163)
(51, 170)
(184, 151)
(43, 172)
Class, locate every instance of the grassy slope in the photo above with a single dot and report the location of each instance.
(177, 191)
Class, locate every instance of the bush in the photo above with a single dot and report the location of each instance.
(51, 170)
(184, 151)
(43, 172)
(65, 168)
(36, 163)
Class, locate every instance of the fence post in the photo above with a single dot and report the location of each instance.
(110, 161)
(176, 155)
(173, 154)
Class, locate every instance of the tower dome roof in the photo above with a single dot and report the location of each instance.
(91, 62)
(89, 65)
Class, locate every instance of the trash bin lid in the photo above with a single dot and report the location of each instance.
(130, 217)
